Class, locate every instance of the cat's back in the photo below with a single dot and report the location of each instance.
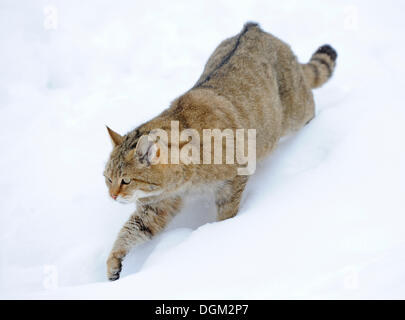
(239, 55)
(246, 70)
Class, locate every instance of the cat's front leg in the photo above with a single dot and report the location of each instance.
(133, 232)
(148, 220)
(114, 265)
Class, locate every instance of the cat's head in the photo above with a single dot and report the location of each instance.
(133, 172)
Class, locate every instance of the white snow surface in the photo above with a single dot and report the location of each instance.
(323, 217)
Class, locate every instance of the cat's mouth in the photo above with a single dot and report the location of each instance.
(137, 195)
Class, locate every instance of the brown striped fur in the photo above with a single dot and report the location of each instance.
(253, 81)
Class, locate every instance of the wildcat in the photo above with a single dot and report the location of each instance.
(252, 80)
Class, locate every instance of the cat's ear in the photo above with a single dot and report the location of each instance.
(148, 150)
(116, 138)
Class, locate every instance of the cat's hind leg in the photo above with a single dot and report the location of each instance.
(228, 196)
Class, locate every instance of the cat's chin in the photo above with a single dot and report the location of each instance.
(134, 198)
(123, 200)
(139, 194)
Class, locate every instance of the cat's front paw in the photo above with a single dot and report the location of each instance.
(114, 266)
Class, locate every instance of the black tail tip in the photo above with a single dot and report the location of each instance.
(327, 49)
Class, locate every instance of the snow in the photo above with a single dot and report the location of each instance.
(323, 217)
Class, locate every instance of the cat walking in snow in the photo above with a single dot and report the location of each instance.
(251, 81)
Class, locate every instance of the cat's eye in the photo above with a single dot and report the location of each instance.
(109, 180)
(126, 181)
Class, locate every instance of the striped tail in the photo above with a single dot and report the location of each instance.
(321, 66)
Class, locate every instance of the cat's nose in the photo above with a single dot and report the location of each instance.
(114, 196)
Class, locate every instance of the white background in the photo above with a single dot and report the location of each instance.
(322, 218)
